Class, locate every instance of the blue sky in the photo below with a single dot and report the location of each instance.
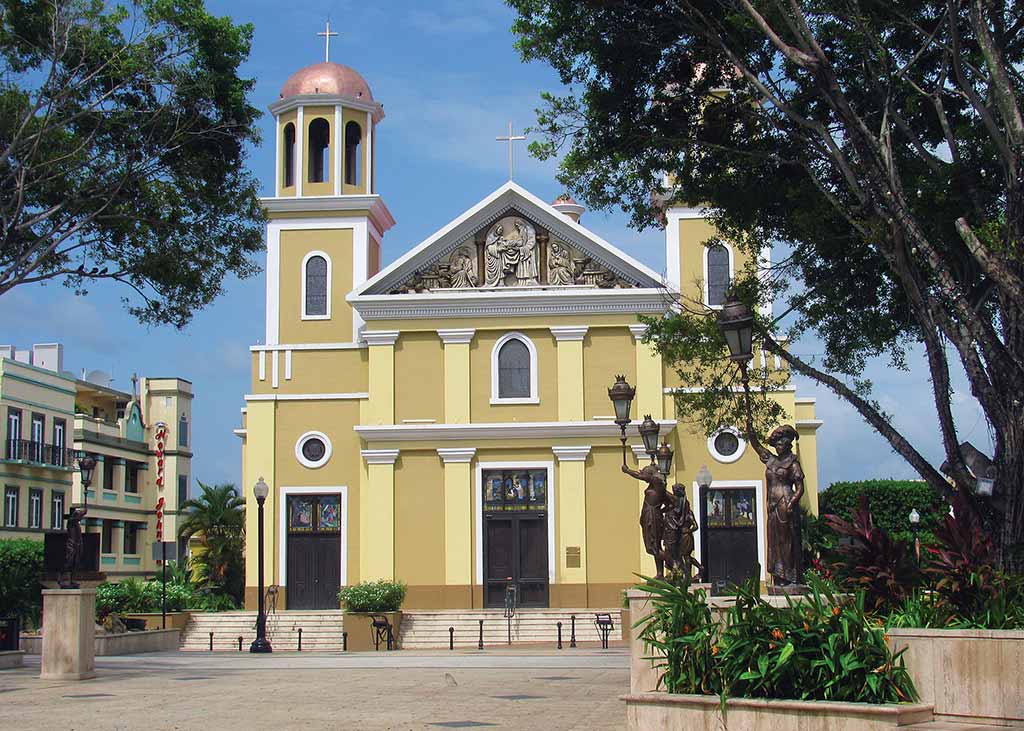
(450, 80)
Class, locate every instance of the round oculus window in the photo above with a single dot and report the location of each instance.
(314, 449)
(727, 443)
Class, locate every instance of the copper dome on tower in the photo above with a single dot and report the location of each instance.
(328, 78)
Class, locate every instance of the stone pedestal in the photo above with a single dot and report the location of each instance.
(69, 634)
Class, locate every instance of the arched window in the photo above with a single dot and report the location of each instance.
(514, 370)
(316, 277)
(353, 136)
(289, 155)
(717, 274)
(319, 150)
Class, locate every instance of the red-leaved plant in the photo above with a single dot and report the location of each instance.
(963, 562)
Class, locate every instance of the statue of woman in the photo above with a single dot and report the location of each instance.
(73, 544)
(784, 479)
(559, 265)
(463, 269)
(494, 252)
(680, 525)
(652, 514)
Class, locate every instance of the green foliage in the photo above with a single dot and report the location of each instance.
(373, 596)
(890, 502)
(125, 130)
(217, 517)
(21, 565)
(133, 596)
(824, 646)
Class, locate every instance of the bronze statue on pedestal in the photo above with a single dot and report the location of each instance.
(652, 514)
(73, 544)
(680, 525)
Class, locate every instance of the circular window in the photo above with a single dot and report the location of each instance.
(726, 445)
(313, 449)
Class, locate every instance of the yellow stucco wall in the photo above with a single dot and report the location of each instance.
(547, 383)
(419, 377)
(314, 371)
(353, 115)
(603, 359)
(419, 519)
(311, 113)
(295, 244)
(283, 121)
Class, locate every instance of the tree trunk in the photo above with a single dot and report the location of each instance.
(1010, 497)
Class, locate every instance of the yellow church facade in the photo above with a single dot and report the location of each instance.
(445, 421)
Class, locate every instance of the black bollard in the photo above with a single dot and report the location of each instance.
(211, 642)
(572, 632)
(559, 635)
(480, 643)
(239, 643)
(300, 639)
(451, 638)
(344, 641)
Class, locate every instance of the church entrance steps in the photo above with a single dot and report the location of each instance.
(321, 630)
(429, 629)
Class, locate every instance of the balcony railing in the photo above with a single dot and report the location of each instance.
(25, 450)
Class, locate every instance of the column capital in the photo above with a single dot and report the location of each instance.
(569, 332)
(380, 337)
(571, 454)
(380, 456)
(455, 455)
(457, 337)
(638, 331)
(639, 451)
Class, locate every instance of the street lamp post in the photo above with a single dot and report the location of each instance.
(74, 541)
(621, 395)
(915, 520)
(261, 643)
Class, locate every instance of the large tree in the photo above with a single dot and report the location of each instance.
(123, 133)
(882, 141)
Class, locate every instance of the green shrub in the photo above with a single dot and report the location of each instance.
(681, 628)
(21, 565)
(373, 596)
(890, 502)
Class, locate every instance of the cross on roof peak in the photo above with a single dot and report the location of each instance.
(327, 33)
(510, 138)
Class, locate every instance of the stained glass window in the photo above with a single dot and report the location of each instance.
(514, 370)
(316, 286)
(328, 514)
(300, 514)
(718, 274)
(515, 489)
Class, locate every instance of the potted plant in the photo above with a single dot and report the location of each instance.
(367, 601)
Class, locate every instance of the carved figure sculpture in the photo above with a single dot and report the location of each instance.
(510, 257)
(74, 543)
(680, 525)
(462, 269)
(560, 267)
(652, 514)
(785, 481)
(526, 266)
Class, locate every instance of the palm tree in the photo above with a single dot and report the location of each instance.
(217, 519)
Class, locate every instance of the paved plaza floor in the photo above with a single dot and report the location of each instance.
(536, 689)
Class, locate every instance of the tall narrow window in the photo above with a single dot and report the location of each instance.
(182, 431)
(56, 510)
(131, 538)
(182, 489)
(35, 508)
(11, 507)
(718, 274)
(353, 136)
(131, 477)
(289, 155)
(38, 430)
(59, 456)
(108, 473)
(514, 370)
(13, 433)
(319, 150)
(315, 286)
(107, 536)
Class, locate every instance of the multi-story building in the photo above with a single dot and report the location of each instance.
(52, 417)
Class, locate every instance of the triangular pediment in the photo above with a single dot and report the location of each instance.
(511, 240)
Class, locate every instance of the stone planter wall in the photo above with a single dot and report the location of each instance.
(360, 632)
(969, 675)
(664, 712)
(154, 620)
(129, 643)
(11, 659)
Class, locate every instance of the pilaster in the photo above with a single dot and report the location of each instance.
(650, 381)
(377, 516)
(456, 374)
(569, 345)
(572, 514)
(381, 405)
(259, 462)
(458, 517)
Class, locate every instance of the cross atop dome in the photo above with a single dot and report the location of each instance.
(327, 33)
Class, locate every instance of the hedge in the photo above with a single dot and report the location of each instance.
(890, 501)
(21, 565)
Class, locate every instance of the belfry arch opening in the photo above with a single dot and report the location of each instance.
(353, 140)
(319, 150)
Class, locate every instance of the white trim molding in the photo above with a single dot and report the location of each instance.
(456, 455)
(805, 400)
(569, 333)
(306, 396)
(379, 456)
(379, 215)
(759, 518)
(810, 424)
(502, 430)
(283, 493)
(732, 271)
(380, 337)
(459, 336)
(478, 522)
(727, 458)
(638, 331)
(571, 454)
(311, 464)
(673, 254)
(306, 346)
(496, 398)
(302, 273)
(640, 452)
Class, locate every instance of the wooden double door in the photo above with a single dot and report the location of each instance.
(314, 552)
(728, 534)
(516, 551)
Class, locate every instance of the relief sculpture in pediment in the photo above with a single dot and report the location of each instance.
(510, 254)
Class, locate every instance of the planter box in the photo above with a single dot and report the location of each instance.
(969, 675)
(129, 643)
(664, 712)
(361, 633)
(175, 620)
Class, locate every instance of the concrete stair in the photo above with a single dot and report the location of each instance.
(429, 629)
(321, 630)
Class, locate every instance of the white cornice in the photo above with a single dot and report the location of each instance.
(457, 337)
(306, 396)
(379, 456)
(500, 430)
(639, 451)
(806, 400)
(327, 100)
(457, 455)
(509, 302)
(380, 337)
(809, 424)
(569, 332)
(571, 454)
(735, 389)
(380, 216)
(306, 346)
(638, 331)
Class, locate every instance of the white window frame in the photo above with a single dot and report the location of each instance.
(328, 449)
(305, 260)
(732, 272)
(35, 508)
(282, 495)
(727, 458)
(57, 516)
(11, 506)
(495, 378)
(759, 518)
